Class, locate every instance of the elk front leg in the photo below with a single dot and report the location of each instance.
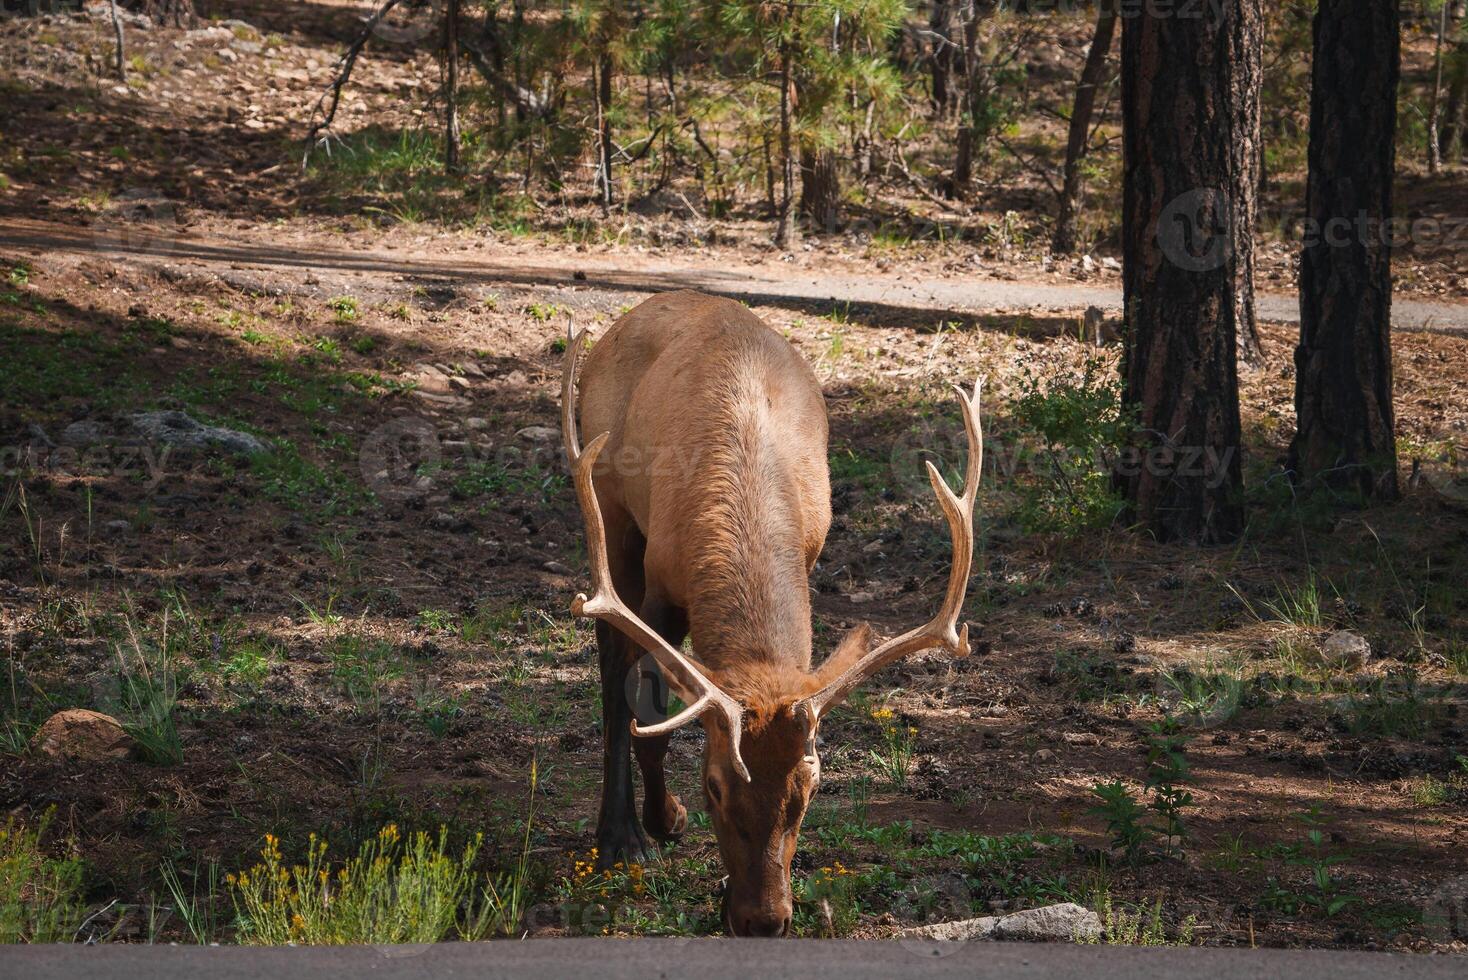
(663, 814)
(618, 837)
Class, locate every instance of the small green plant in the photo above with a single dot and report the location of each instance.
(1323, 892)
(542, 312)
(435, 620)
(392, 891)
(249, 663)
(893, 760)
(1123, 815)
(506, 896)
(1073, 425)
(149, 689)
(343, 308)
(40, 896)
(1138, 926)
(1167, 770)
(363, 667)
(438, 711)
(1212, 694)
(195, 904)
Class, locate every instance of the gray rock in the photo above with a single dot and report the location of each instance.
(182, 431)
(539, 434)
(964, 930)
(1062, 923)
(83, 432)
(556, 568)
(1346, 650)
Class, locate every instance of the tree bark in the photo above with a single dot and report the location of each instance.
(1246, 54)
(942, 48)
(784, 234)
(1343, 383)
(1434, 113)
(451, 87)
(1078, 141)
(120, 61)
(178, 13)
(603, 83)
(1181, 95)
(820, 189)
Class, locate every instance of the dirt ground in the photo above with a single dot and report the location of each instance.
(368, 623)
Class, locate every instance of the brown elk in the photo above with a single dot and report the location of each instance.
(706, 499)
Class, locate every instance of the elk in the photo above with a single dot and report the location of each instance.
(706, 500)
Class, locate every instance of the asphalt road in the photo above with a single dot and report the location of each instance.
(710, 959)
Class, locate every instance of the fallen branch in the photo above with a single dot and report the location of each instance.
(344, 73)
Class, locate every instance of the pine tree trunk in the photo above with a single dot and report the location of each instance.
(1182, 115)
(1076, 144)
(451, 86)
(1449, 136)
(820, 189)
(604, 73)
(1343, 382)
(1246, 54)
(784, 234)
(942, 48)
(176, 13)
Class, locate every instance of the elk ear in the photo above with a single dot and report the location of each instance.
(853, 646)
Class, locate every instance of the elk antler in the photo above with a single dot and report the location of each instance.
(688, 681)
(941, 631)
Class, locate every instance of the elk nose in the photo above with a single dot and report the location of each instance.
(766, 924)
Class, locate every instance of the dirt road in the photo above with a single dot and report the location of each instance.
(256, 258)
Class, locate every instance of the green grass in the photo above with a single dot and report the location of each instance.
(148, 686)
(40, 896)
(1137, 925)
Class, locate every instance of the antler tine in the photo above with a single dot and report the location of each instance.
(606, 605)
(942, 630)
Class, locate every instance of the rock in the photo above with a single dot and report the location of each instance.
(1045, 755)
(539, 434)
(1053, 924)
(114, 528)
(861, 598)
(1346, 650)
(182, 431)
(81, 433)
(556, 568)
(964, 930)
(77, 733)
(476, 424)
(1062, 923)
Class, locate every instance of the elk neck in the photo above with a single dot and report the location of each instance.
(749, 607)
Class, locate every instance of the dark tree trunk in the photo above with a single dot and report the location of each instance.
(1343, 383)
(1080, 127)
(784, 234)
(1245, 29)
(451, 86)
(820, 189)
(1449, 136)
(944, 48)
(177, 13)
(604, 73)
(1180, 104)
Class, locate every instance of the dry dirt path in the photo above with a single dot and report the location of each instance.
(257, 258)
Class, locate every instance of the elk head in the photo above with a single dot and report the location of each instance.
(761, 765)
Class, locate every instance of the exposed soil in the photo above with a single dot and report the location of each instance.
(372, 625)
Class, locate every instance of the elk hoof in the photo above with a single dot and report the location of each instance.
(624, 844)
(666, 820)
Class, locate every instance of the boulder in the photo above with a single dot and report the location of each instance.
(539, 434)
(1346, 650)
(182, 431)
(77, 733)
(1061, 923)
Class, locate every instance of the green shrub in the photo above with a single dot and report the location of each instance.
(392, 891)
(1074, 424)
(40, 896)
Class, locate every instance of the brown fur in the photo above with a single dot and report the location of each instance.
(716, 461)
